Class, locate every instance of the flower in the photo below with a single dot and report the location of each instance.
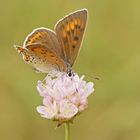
(64, 96)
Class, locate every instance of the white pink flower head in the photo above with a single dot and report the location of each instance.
(64, 96)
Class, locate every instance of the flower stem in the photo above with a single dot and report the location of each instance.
(67, 131)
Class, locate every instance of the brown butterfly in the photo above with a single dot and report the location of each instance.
(49, 50)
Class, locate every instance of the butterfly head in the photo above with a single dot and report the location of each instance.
(70, 73)
(69, 70)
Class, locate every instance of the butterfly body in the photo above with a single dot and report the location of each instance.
(47, 50)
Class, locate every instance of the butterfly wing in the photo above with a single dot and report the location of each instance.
(70, 31)
(42, 58)
(43, 36)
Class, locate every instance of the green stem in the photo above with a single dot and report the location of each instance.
(67, 131)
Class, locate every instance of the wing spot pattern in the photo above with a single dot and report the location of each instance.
(76, 38)
(32, 49)
(73, 46)
(72, 25)
(67, 28)
(33, 38)
(51, 55)
(75, 22)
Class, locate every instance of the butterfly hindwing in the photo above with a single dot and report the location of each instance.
(70, 31)
(42, 58)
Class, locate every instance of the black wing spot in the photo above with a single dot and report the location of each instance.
(82, 29)
(51, 55)
(33, 41)
(68, 32)
(76, 38)
(43, 52)
(73, 46)
(32, 49)
(78, 26)
(72, 31)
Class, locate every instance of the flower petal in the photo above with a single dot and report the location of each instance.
(46, 112)
(68, 110)
(41, 89)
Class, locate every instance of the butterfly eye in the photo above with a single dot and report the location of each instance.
(69, 74)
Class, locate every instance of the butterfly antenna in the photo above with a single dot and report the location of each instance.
(91, 77)
(16, 46)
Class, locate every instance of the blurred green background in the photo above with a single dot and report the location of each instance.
(110, 50)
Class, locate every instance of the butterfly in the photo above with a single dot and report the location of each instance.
(47, 50)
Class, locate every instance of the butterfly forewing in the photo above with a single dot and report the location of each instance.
(43, 36)
(70, 31)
